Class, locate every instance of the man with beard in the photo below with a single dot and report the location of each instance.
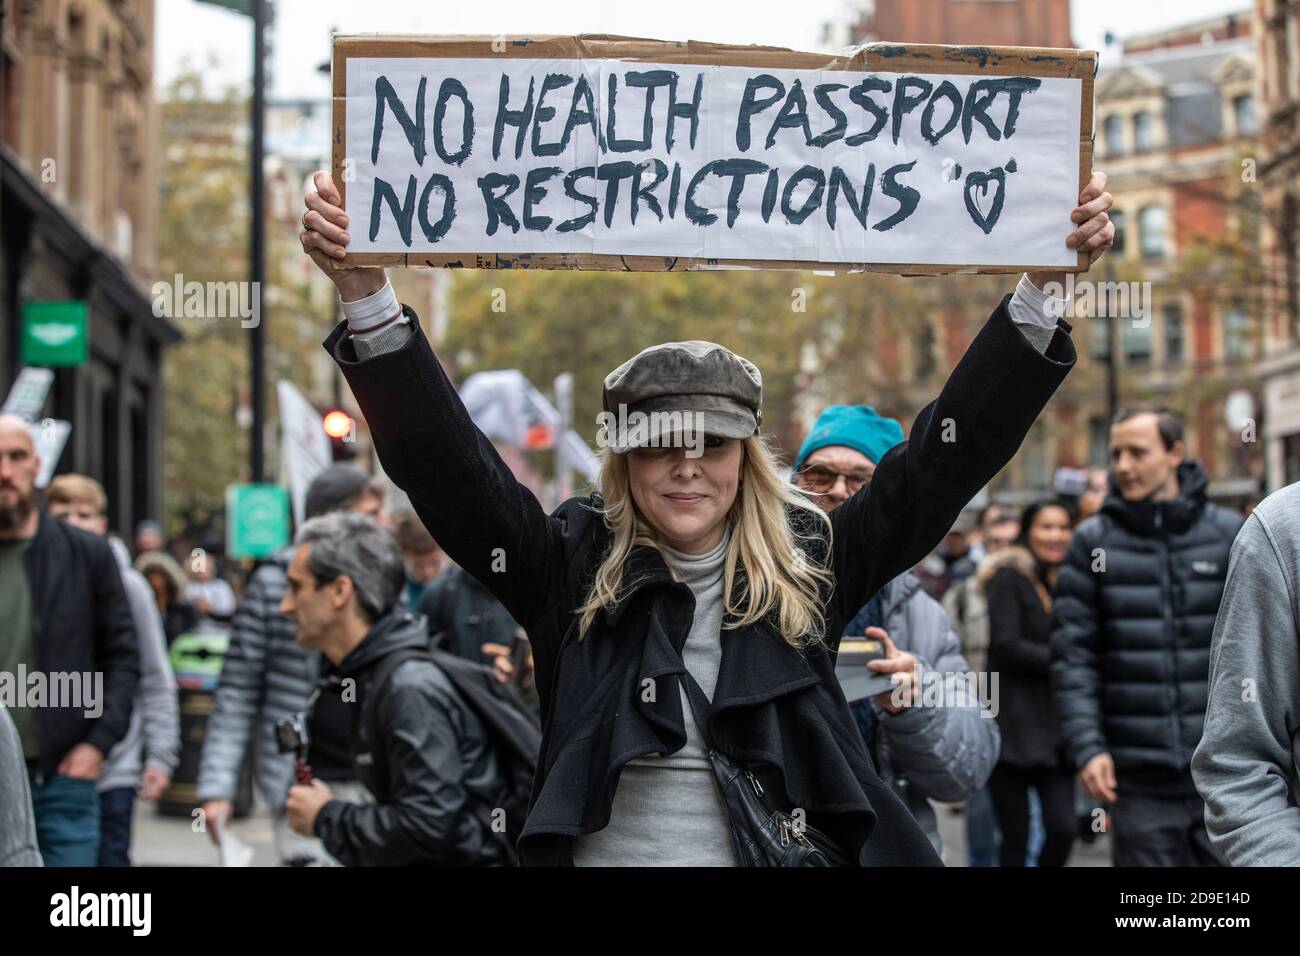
(66, 621)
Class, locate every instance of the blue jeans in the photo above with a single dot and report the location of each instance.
(981, 830)
(1037, 832)
(115, 809)
(67, 819)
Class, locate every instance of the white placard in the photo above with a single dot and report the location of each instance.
(612, 157)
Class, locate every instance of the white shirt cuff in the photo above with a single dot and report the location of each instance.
(374, 310)
(1029, 305)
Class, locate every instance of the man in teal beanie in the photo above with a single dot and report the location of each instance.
(925, 752)
(849, 428)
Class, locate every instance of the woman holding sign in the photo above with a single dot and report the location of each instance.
(684, 621)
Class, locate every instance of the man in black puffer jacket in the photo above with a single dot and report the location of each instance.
(1135, 608)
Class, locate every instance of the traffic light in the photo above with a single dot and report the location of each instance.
(342, 432)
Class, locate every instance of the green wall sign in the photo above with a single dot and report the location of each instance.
(55, 334)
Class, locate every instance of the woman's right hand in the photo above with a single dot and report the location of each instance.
(324, 237)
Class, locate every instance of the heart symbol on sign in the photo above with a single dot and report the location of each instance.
(985, 193)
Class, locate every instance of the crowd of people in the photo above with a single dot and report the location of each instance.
(478, 682)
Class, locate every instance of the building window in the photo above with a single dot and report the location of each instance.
(1173, 335)
(1098, 442)
(1117, 217)
(1099, 338)
(1236, 334)
(1243, 111)
(1137, 341)
(1112, 132)
(1143, 137)
(1034, 469)
(923, 351)
(1151, 229)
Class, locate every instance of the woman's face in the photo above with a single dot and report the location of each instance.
(684, 499)
(1049, 535)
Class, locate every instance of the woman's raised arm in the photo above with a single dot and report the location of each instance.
(467, 497)
(962, 439)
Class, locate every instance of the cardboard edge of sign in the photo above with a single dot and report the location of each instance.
(877, 57)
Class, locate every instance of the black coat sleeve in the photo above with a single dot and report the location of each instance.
(117, 654)
(429, 817)
(1009, 645)
(468, 499)
(957, 444)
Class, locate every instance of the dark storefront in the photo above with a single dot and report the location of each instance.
(114, 401)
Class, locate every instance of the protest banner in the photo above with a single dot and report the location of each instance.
(596, 152)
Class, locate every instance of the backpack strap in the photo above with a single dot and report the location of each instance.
(369, 706)
(383, 674)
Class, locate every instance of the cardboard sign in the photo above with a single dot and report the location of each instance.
(611, 153)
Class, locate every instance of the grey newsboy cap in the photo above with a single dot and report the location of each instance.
(723, 391)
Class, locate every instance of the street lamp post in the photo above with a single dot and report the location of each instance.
(257, 256)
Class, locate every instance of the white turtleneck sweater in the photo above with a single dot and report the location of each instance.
(667, 809)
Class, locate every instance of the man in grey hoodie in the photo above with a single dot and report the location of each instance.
(1245, 766)
(144, 760)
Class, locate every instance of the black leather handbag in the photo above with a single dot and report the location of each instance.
(764, 835)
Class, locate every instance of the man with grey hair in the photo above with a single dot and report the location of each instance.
(266, 677)
(425, 756)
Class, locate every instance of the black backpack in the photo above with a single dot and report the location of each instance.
(513, 732)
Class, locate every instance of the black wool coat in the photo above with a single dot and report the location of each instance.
(776, 708)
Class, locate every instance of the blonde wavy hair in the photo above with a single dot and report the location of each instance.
(780, 576)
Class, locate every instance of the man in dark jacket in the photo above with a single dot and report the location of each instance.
(68, 626)
(266, 677)
(1134, 613)
(425, 756)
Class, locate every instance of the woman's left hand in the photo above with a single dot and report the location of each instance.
(1095, 232)
(903, 668)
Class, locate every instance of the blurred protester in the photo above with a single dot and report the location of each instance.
(463, 616)
(167, 579)
(421, 557)
(17, 819)
(1245, 765)
(985, 518)
(66, 617)
(926, 753)
(1018, 582)
(346, 488)
(143, 761)
(148, 537)
(946, 566)
(968, 610)
(424, 755)
(267, 677)
(1093, 494)
(1135, 612)
(965, 602)
(210, 595)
